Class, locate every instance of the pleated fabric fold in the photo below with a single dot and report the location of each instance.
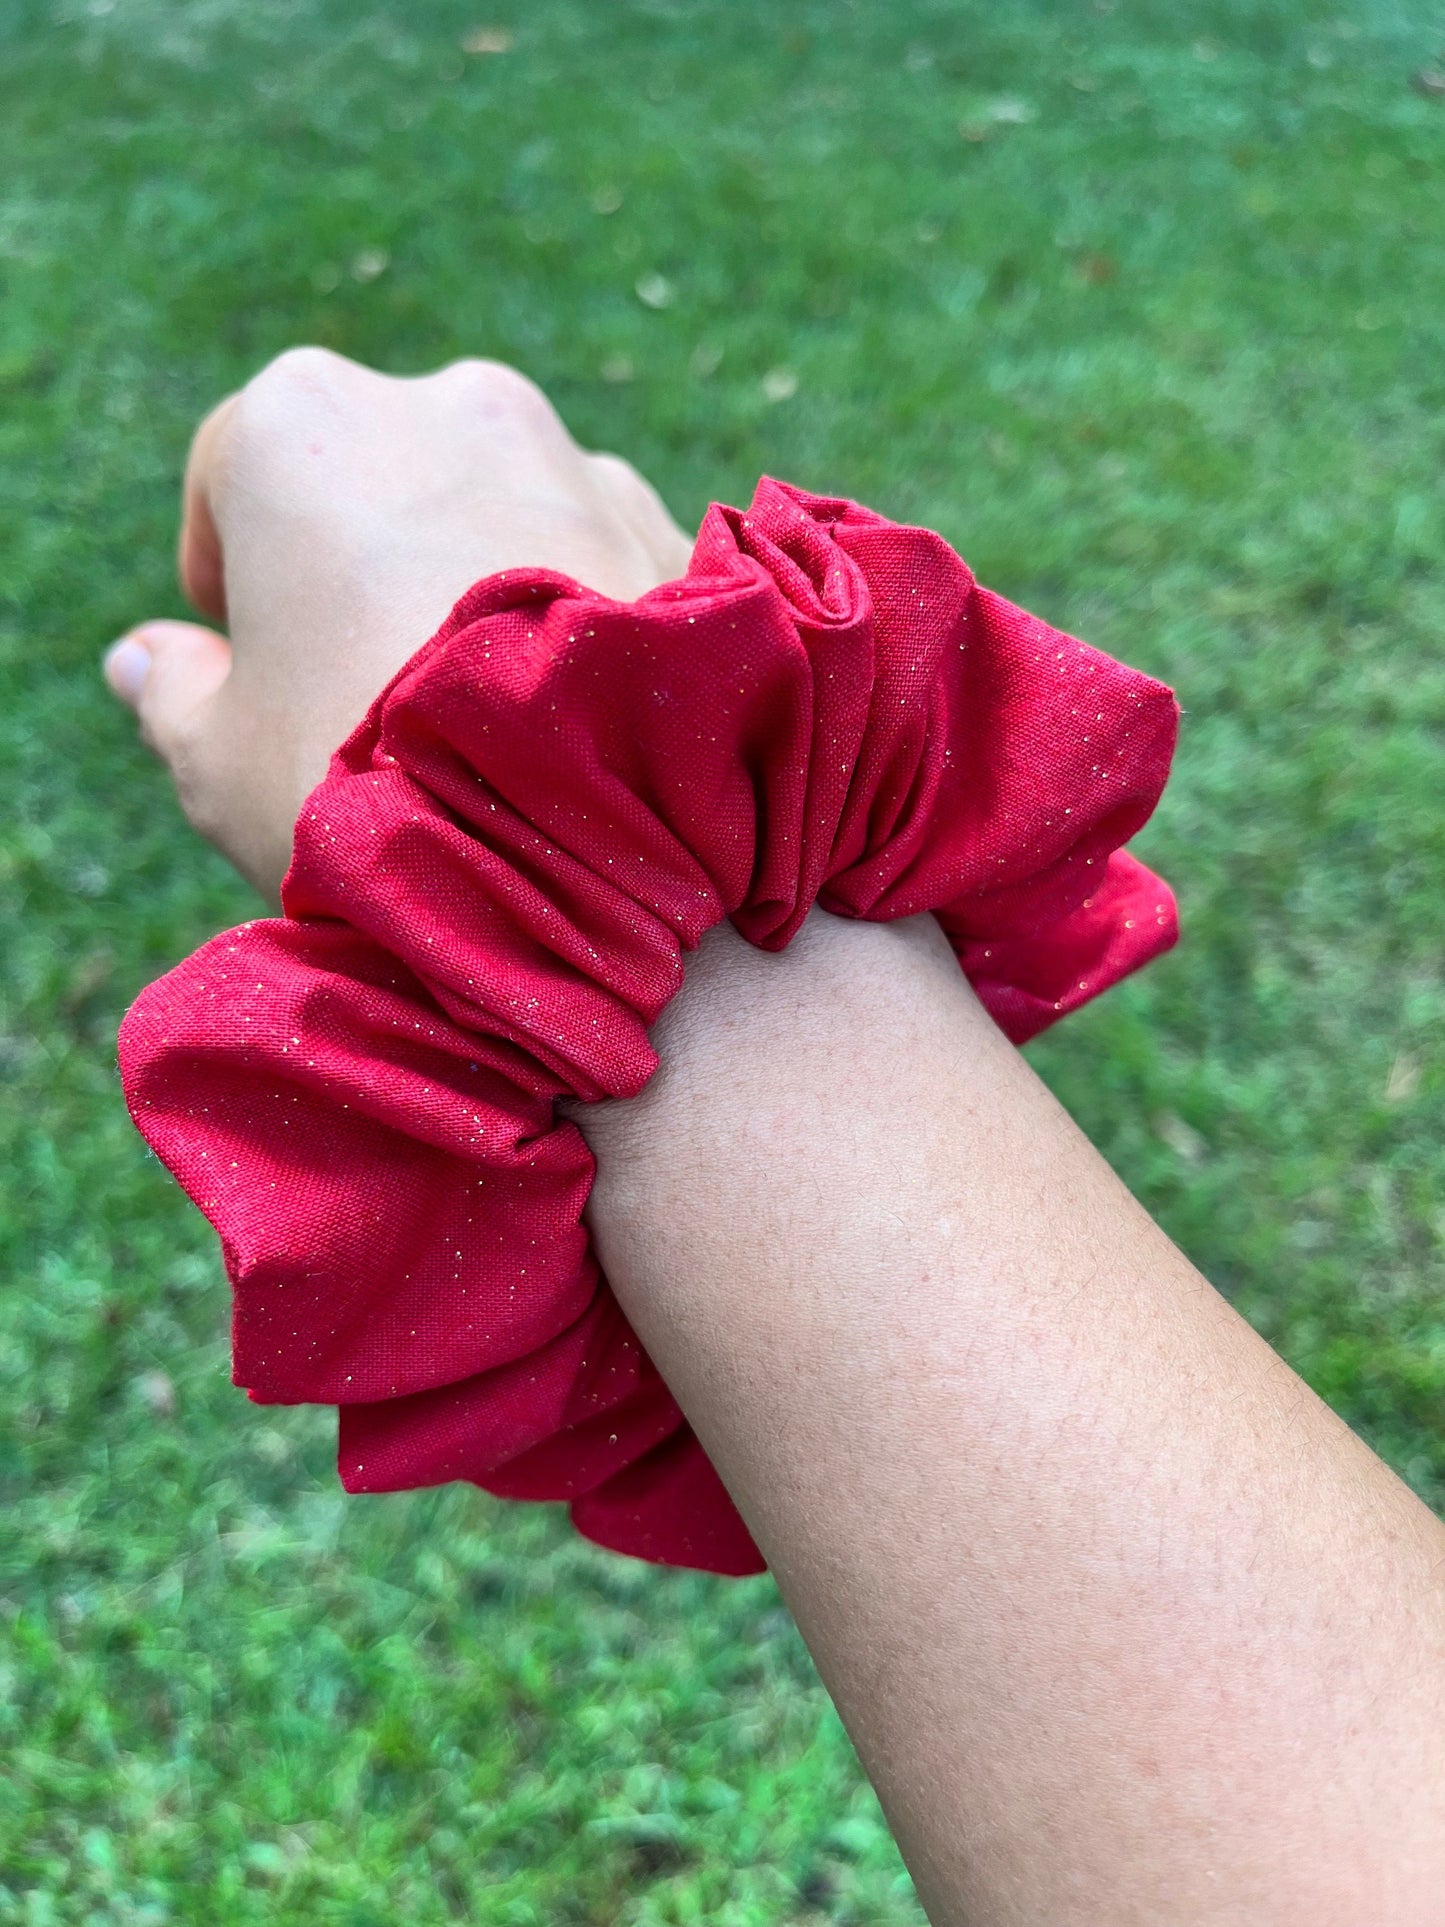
(488, 905)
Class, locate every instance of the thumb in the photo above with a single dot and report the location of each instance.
(167, 672)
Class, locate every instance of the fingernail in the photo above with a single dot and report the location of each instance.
(127, 663)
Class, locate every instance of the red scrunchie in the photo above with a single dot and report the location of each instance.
(487, 907)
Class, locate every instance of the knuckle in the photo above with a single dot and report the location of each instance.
(296, 383)
(305, 393)
(619, 473)
(305, 366)
(632, 490)
(504, 390)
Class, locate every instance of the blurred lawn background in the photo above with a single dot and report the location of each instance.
(1140, 302)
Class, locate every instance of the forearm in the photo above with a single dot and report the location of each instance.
(1126, 1625)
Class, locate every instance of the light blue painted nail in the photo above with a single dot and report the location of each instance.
(127, 663)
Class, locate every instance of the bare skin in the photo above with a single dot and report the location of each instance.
(330, 518)
(1127, 1626)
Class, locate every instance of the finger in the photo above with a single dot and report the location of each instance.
(200, 560)
(167, 672)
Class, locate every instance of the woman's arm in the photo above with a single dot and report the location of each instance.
(1127, 1627)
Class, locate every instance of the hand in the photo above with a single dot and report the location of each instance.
(331, 517)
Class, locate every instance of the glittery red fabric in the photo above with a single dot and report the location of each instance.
(487, 907)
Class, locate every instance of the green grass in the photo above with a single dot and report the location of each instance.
(1163, 353)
